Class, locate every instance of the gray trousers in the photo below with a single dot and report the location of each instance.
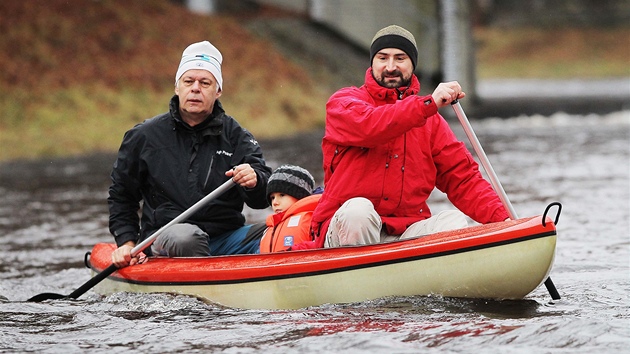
(187, 240)
(356, 222)
(181, 240)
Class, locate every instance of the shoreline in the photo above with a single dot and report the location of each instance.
(506, 98)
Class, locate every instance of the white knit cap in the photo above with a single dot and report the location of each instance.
(204, 56)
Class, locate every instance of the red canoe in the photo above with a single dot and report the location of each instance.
(505, 260)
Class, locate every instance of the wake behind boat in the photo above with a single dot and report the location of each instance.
(505, 260)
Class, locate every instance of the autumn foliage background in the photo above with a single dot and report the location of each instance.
(76, 74)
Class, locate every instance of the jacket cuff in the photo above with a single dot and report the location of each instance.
(502, 215)
(124, 235)
(261, 183)
(124, 238)
(428, 106)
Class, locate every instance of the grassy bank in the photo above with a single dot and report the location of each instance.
(72, 120)
(558, 53)
(77, 74)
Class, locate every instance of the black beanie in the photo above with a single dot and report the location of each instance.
(395, 37)
(291, 180)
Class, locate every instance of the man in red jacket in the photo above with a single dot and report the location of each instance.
(385, 149)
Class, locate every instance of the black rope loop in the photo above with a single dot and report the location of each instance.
(544, 217)
(86, 259)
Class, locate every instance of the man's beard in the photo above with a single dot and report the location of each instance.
(385, 75)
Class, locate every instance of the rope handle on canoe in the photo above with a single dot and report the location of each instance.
(86, 259)
(544, 217)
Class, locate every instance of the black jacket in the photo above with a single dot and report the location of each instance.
(170, 166)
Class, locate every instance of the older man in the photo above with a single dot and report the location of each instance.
(385, 149)
(171, 161)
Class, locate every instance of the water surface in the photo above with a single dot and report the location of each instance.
(53, 211)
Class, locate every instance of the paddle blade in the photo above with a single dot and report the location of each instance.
(552, 289)
(46, 296)
(80, 291)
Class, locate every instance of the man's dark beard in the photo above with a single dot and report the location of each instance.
(403, 82)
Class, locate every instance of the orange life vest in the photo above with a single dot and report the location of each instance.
(290, 227)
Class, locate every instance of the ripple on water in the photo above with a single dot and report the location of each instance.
(48, 223)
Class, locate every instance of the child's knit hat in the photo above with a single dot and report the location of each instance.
(292, 180)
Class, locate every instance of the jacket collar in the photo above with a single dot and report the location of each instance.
(305, 204)
(213, 124)
(387, 94)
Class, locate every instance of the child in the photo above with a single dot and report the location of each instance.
(289, 192)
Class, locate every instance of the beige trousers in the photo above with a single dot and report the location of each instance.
(357, 223)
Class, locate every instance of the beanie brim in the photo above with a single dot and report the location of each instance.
(290, 180)
(200, 65)
(201, 56)
(288, 188)
(394, 41)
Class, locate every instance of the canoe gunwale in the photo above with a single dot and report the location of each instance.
(333, 270)
(287, 265)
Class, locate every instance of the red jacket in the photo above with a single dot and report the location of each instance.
(394, 149)
(290, 227)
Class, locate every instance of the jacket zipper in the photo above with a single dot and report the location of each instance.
(402, 170)
(205, 183)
